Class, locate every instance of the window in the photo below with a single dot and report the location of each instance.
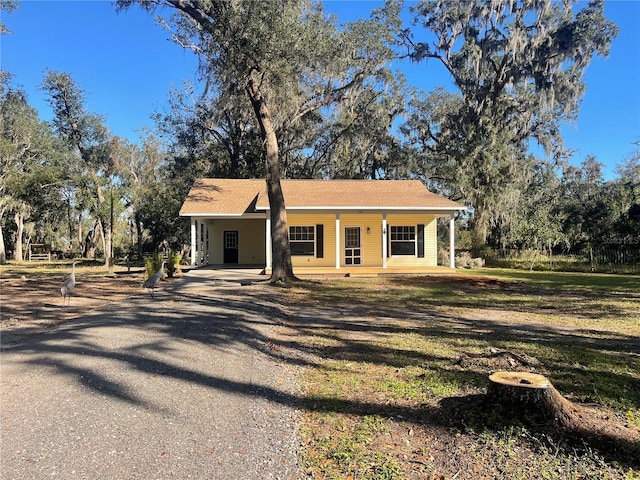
(302, 240)
(403, 240)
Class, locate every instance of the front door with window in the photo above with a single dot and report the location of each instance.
(352, 247)
(230, 247)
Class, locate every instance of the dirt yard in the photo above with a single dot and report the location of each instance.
(29, 301)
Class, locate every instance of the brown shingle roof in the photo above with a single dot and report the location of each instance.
(222, 196)
(235, 197)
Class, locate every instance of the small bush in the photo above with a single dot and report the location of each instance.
(153, 264)
(464, 260)
(173, 263)
(443, 256)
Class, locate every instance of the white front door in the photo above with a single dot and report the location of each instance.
(352, 246)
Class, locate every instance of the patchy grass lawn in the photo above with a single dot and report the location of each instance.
(398, 367)
(402, 365)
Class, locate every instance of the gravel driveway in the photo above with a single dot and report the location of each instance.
(183, 385)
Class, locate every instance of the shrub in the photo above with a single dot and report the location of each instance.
(173, 262)
(464, 260)
(153, 264)
(443, 256)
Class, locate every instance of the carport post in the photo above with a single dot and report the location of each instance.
(267, 241)
(193, 242)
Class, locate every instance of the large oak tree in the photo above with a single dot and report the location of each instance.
(519, 70)
(291, 61)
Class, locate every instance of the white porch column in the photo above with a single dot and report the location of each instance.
(206, 243)
(200, 235)
(194, 227)
(452, 241)
(267, 241)
(337, 241)
(385, 243)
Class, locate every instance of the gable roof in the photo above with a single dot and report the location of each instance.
(222, 196)
(214, 196)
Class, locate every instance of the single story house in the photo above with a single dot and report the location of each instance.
(333, 224)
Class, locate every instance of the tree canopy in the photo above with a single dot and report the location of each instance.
(519, 70)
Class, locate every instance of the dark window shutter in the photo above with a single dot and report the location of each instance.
(319, 241)
(421, 241)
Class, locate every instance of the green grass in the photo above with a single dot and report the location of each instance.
(590, 281)
(558, 263)
(579, 297)
(409, 351)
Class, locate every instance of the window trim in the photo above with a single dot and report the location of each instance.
(313, 241)
(413, 241)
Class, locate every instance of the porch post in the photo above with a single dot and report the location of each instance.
(267, 241)
(384, 240)
(200, 235)
(452, 241)
(193, 241)
(337, 241)
(206, 243)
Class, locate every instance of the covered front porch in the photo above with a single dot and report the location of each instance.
(246, 241)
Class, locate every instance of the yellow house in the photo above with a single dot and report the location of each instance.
(335, 226)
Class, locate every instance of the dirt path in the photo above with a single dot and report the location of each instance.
(181, 386)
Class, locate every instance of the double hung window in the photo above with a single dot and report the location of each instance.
(302, 240)
(403, 240)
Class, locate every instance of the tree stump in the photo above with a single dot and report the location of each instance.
(532, 397)
(531, 393)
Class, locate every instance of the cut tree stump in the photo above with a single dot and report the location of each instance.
(532, 396)
(532, 393)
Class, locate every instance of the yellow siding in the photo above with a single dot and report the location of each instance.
(430, 241)
(313, 219)
(251, 240)
(215, 242)
(251, 248)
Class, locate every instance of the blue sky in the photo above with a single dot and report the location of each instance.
(127, 66)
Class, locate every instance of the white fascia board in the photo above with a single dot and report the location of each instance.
(224, 215)
(442, 210)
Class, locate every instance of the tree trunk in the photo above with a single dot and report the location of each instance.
(81, 244)
(106, 235)
(100, 231)
(138, 234)
(105, 224)
(3, 252)
(280, 247)
(479, 231)
(17, 251)
(91, 242)
(70, 222)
